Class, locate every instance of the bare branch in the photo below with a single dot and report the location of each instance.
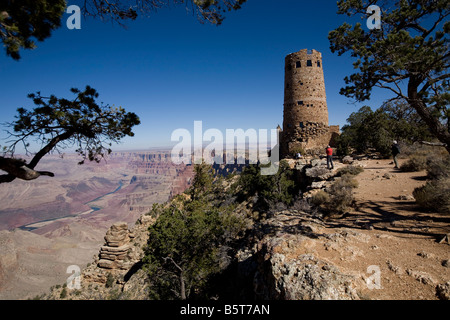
(434, 144)
(174, 263)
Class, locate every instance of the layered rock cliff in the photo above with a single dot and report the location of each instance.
(63, 219)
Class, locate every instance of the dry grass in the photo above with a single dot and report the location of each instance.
(339, 196)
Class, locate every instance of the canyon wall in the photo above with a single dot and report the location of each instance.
(49, 224)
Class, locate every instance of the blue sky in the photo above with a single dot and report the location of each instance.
(172, 70)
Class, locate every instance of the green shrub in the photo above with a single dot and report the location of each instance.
(339, 196)
(318, 172)
(342, 193)
(63, 294)
(271, 189)
(434, 195)
(109, 280)
(415, 163)
(321, 198)
(346, 181)
(438, 168)
(351, 170)
(187, 245)
(369, 129)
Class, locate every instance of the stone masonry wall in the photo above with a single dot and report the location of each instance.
(305, 118)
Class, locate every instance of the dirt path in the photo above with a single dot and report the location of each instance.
(389, 233)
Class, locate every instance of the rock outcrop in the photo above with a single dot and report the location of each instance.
(116, 272)
(443, 291)
(305, 278)
(113, 255)
(288, 268)
(116, 256)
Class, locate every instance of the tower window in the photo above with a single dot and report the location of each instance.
(302, 125)
(318, 64)
(309, 63)
(300, 103)
(298, 64)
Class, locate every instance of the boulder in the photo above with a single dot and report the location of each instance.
(388, 175)
(443, 291)
(421, 276)
(445, 239)
(307, 278)
(318, 185)
(320, 173)
(406, 197)
(347, 160)
(284, 275)
(318, 162)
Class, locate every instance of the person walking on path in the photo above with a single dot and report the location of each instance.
(395, 152)
(329, 152)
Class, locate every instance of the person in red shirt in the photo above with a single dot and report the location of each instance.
(329, 152)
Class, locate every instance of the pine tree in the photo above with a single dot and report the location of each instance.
(58, 122)
(202, 182)
(408, 56)
(23, 22)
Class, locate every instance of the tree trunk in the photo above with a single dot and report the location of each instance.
(433, 144)
(437, 128)
(49, 147)
(182, 286)
(18, 169)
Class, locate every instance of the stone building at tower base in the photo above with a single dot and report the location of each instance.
(312, 139)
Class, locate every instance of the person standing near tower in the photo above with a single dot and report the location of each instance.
(329, 152)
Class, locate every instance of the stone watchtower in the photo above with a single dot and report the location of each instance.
(305, 118)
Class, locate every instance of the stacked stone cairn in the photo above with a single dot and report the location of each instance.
(113, 255)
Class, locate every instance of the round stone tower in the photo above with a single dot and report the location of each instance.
(305, 118)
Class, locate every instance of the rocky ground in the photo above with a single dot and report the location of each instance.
(386, 248)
